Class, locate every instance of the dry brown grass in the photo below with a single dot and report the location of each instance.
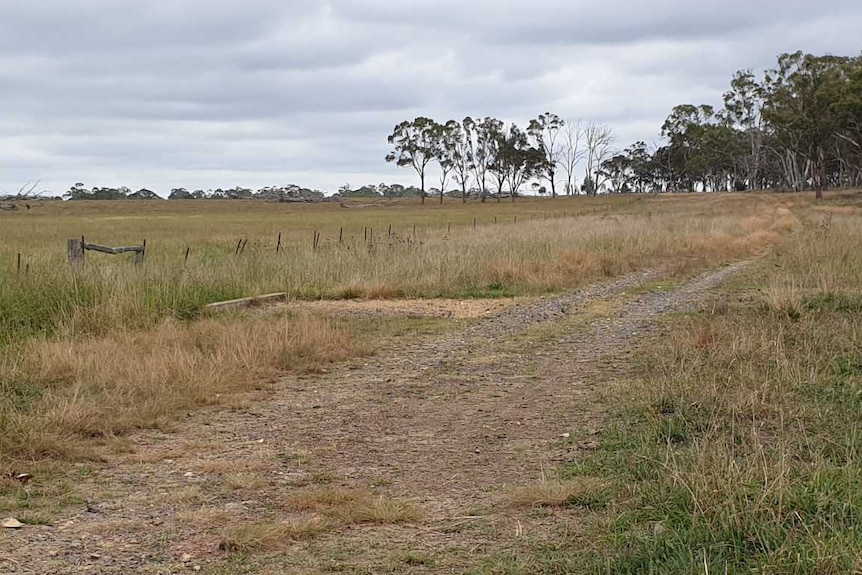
(324, 498)
(350, 506)
(784, 295)
(246, 464)
(580, 492)
(104, 386)
(378, 511)
(183, 495)
(270, 535)
(244, 481)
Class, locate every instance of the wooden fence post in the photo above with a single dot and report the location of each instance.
(76, 253)
(139, 256)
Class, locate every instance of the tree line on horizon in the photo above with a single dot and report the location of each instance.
(797, 127)
(291, 192)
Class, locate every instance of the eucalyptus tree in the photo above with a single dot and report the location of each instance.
(483, 140)
(743, 107)
(545, 134)
(517, 160)
(446, 153)
(415, 146)
(462, 155)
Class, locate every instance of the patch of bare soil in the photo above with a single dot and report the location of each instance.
(418, 308)
(448, 423)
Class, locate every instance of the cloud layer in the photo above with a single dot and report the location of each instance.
(207, 93)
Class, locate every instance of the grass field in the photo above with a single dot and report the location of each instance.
(553, 246)
(732, 442)
(67, 333)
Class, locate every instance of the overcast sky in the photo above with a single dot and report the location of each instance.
(219, 93)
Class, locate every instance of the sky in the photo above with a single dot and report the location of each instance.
(222, 93)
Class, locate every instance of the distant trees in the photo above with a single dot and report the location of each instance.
(289, 192)
(79, 192)
(797, 127)
(472, 151)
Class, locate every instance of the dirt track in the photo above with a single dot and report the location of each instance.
(449, 421)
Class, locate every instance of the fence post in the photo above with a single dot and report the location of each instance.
(139, 256)
(76, 253)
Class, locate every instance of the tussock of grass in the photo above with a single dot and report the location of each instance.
(243, 481)
(586, 492)
(184, 495)
(379, 511)
(270, 535)
(349, 506)
(103, 386)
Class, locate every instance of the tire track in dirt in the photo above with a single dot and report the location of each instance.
(454, 423)
(449, 420)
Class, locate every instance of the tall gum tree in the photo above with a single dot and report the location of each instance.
(545, 134)
(415, 146)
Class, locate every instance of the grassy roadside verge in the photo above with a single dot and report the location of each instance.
(736, 448)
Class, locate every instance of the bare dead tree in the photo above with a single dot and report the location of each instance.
(598, 140)
(572, 153)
